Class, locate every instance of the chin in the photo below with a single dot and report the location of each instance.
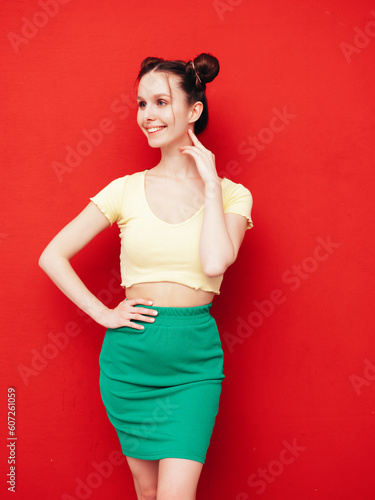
(153, 141)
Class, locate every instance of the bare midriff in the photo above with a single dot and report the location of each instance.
(168, 294)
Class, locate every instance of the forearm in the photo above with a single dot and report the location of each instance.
(216, 249)
(61, 272)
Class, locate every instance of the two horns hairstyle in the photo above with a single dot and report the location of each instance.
(193, 77)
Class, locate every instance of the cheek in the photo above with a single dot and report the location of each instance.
(182, 121)
(179, 118)
(139, 119)
(166, 113)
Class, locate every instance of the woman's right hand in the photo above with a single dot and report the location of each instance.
(125, 312)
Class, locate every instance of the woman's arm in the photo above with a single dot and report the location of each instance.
(70, 240)
(221, 235)
(55, 262)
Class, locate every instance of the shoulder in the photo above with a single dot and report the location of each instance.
(231, 188)
(121, 182)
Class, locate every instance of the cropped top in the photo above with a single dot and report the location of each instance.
(155, 250)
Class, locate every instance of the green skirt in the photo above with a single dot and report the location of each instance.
(161, 385)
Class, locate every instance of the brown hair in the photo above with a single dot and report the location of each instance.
(193, 74)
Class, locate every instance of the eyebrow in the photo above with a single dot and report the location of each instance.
(156, 95)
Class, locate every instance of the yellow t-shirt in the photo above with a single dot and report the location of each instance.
(155, 250)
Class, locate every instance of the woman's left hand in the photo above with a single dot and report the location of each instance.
(204, 159)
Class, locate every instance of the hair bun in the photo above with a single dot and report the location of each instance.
(149, 62)
(207, 67)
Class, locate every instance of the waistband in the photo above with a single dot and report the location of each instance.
(180, 312)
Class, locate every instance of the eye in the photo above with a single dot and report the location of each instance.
(141, 104)
(162, 102)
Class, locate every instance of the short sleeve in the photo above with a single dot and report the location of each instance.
(238, 200)
(110, 199)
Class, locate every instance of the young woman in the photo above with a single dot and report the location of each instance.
(181, 227)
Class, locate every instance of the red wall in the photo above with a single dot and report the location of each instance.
(296, 419)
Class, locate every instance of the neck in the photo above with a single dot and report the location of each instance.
(174, 164)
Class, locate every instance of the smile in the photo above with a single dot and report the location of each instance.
(155, 129)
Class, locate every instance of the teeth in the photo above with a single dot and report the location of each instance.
(155, 129)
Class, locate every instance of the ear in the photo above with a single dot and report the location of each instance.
(195, 111)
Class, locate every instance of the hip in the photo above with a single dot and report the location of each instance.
(180, 340)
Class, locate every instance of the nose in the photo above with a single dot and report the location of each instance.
(149, 114)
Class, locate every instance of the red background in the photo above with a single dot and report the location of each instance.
(293, 380)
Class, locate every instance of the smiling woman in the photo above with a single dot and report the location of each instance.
(181, 227)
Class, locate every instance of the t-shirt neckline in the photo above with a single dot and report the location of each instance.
(172, 224)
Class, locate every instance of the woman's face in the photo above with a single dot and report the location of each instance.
(162, 123)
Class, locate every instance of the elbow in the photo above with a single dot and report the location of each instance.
(216, 266)
(212, 270)
(43, 260)
(213, 273)
(46, 260)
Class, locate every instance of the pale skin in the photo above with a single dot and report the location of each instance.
(190, 172)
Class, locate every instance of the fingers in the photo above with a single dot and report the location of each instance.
(197, 146)
(130, 324)
(140, 310)
(195, 151)
(196, 141)
(193, 137)
(138, 317)
(138, 301)
(190, 150)
(138, 313)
